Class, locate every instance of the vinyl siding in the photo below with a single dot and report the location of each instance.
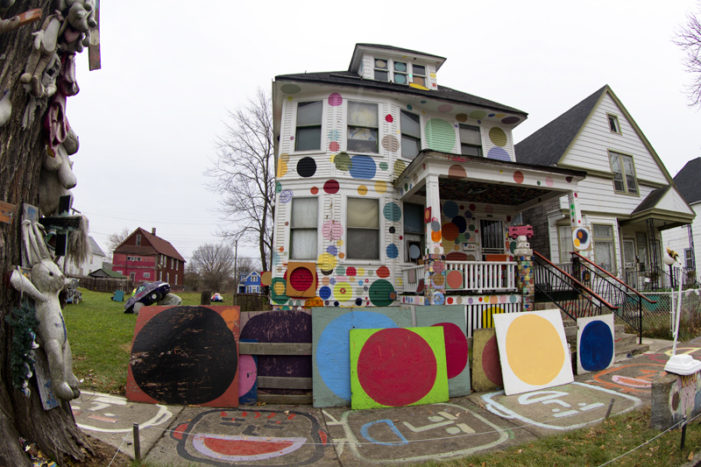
(678, 238)
(590, 149)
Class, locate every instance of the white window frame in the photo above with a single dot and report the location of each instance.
(614, 251)
(348, 125)
(313, 257)
(321, 126)
(402, 134)
(409, 71)
(613, 123)
(380, 229)
(624, 175)
(479, 148)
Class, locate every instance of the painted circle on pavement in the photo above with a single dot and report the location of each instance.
(534, 365)
(596, 346)
(388, 376)
(333, 348)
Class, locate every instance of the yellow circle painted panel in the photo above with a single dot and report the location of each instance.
(539, 363)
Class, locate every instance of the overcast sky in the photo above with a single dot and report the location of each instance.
(149, 119)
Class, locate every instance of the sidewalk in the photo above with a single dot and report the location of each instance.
(295, 435)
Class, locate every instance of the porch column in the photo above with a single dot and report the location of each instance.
(524, 276)
(434, 259)
(581, 233)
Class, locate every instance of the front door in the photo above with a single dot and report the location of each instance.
(629, 262)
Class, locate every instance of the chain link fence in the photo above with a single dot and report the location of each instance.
(657, 317)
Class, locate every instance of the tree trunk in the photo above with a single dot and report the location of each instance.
(21, 154)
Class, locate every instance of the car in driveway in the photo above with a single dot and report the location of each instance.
(146, 294)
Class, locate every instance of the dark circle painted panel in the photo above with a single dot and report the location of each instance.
(184, 355)
(596, 346)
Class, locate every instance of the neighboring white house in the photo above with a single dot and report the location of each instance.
(686, 240)
(392, 188)
(96, 258)
(627, 198)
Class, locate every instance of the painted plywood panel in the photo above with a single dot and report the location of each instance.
(397, 367)
(486, 367)
(331, 347)
(185, 355)
(532, 350)
(452, 320)
(595, 343)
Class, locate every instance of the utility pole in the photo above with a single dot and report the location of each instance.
(236, 270)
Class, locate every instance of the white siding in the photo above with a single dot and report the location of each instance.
(590, 149)
(596, 194)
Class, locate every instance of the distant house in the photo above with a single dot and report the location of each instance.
(249, 283)
(96, 257)
(627, 199)
(686, 240)
(105, 272)
(145, 257)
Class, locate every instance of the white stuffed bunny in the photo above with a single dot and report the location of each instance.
(44, 285)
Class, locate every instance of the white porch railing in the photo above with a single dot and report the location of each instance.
(469, 276)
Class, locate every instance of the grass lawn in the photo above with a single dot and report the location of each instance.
(100, 334)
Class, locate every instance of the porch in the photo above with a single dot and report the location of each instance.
(457, 213)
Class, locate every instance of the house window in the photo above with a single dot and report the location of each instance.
(411, 134)
(689, 259)
(419, 75)
(492, 233)
(381, 70)
(363, 231)
(613, 124)
(565, 243)
(624, 180)
(308, 129)
(604, 251)
(147, 275)
(400, 73)
(362, 127)
(413, 232)
(303, 228)
(470, 140)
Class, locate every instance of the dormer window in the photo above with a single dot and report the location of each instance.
(613, 124)
(398, 72)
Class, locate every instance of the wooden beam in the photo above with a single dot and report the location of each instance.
(283, 382)
(275, 348)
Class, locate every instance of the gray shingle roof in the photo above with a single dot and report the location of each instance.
(547, 145)
(345, 78)
(688, 181)
(651, 199)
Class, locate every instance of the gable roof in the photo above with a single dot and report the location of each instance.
(547, 145)
(158, 244)
(346, 78)
(687, 181)
(95, 248)
(544, 147)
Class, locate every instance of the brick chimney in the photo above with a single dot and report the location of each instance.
(153, 231)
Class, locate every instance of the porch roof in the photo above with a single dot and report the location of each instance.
(665, 207)
(483, 180)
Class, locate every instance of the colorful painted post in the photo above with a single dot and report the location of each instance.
(434, 258)
(524, 276)
(581, 233)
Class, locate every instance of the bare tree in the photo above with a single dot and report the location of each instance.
(244, 174)
(23, 149)
(116, 239)
(689, 39)
(214, 264)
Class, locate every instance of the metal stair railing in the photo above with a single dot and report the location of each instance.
(553, 282)
(628, 300)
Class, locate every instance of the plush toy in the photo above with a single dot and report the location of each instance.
(44, 52)
(43, 285)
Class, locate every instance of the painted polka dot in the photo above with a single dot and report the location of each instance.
(342, 161)
(497, 136)
(390, 143)
(392, 212)
(534, 364)
(290, 88)
(457, 171)
(454, 279)
(445, 108)
(510, 120)
(331, 186)
(362, 190)
(478, 114)
(389, 118)
(334, 146)
(285, 196)
(343, 291)
(382, 293)
(332, 230)
(306, 167)
(384, 166)
(392, 251)
(440, 135)
(335, 99)
(450, 231)
(326, 263)
(450, 209)
(314, 190)
(518, 176)
(461, 117)
(381, 186)
(399, 167)
(332, 250)
(498, 154)
(362, 167)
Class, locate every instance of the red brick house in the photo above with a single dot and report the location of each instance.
(145, 257)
